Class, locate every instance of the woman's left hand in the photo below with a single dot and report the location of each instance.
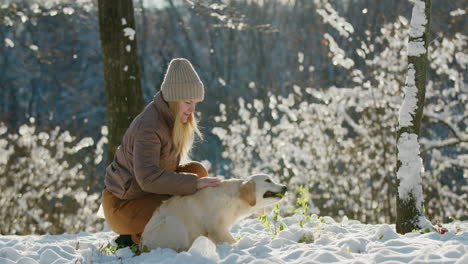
(207, 182)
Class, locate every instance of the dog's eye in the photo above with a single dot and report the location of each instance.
(268, 180)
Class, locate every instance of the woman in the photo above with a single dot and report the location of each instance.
(146, 168)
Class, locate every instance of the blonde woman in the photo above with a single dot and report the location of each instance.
(146, 169)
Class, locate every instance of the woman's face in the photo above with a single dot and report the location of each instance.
(186, 108)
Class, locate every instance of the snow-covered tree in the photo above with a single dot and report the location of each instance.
(410, 213)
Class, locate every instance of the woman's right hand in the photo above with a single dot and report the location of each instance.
(207, 182)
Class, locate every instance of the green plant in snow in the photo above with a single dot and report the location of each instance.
(265, 222)
(306, 238)
(277, 226)
(302, 204)
(110, 249)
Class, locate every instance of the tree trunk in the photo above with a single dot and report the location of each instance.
(410, 214)
(124, 97)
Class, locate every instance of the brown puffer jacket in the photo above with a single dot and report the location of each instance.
(146, 160)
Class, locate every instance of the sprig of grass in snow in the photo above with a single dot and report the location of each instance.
(276, 219)
(302, 205)
(306, 238)
(110, 249)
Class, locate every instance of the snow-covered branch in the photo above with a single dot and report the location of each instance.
(330, 16)
(42, 224)
(431, 144)
(350, 121)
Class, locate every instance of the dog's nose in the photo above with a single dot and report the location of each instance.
(284, 189)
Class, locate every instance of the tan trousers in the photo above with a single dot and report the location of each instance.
(129, 217)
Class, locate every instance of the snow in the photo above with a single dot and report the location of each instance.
(410, 169)
(339, 56)
(458, 12)
(104, 130)
(418, 19)
(409, 103)
(330, 16)
(417, 28)
(300, 57)
(129, 32)
(328, 241)
(416, 48)
(84, 143)
(217, 6)
(9, 43)
(218, 16)
(222, 81)
(68, 10)
(424, 223)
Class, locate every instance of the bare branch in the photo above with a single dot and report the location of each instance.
(460, 135)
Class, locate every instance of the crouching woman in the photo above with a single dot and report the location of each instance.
(146, 168)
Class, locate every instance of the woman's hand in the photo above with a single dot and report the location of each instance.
(207, 182)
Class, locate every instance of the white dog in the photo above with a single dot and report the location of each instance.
(209, 212)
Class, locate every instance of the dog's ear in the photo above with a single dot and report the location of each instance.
(247, 193)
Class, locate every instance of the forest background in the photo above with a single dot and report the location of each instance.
(306, 90)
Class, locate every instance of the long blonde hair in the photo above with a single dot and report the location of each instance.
(183, 135)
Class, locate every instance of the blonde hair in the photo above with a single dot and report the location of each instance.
(183, 134)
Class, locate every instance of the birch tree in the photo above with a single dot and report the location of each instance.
(410, 214)
(124, 97)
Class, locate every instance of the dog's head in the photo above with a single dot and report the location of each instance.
(260, 190)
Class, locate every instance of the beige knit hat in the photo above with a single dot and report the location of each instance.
(181, 82)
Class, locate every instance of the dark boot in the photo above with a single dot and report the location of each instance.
(124, 241)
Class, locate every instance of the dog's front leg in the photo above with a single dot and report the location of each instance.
(221, 236)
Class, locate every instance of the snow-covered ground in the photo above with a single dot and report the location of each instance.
(328, 242)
